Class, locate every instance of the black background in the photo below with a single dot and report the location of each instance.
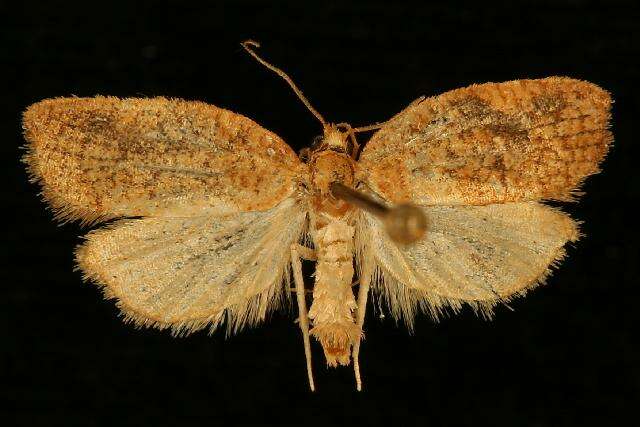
(567, 355)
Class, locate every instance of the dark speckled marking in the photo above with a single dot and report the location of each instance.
(519, 140)
(162, 157)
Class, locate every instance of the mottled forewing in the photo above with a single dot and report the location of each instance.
(491, 143)
(479, 255)
(190, 273)
(100, 158)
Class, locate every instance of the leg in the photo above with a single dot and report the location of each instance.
(363, 293)
(302, 305)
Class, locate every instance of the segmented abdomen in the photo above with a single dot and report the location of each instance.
(333, 301)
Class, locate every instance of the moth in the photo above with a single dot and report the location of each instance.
(210, 214)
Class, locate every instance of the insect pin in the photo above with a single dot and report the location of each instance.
(211, 213)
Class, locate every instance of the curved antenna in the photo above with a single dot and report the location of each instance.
(249, 44)
(380, 124)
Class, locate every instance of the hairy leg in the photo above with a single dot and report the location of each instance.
(363, 293)
(297, 252)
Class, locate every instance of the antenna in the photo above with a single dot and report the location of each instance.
(405, 223)
(368, 128)
(380, 124)
(248, 45)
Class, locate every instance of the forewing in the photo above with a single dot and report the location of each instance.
(100, 158)
(480, 255)
(195, 272)
(491, 143)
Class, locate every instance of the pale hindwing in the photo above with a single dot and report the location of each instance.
(104, 157)
(480, 255)
(491, 143)
(190, 273)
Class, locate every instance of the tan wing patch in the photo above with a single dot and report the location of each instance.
(189, 273)
(100, 158)
(480, 255)
(490, 143)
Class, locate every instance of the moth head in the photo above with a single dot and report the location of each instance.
(334, 139)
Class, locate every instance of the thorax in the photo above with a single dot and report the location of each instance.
(326, 167)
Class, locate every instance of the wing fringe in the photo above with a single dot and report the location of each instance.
(235, 318)
(405, 303)
(63, 211)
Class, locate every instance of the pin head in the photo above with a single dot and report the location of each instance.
(405, 224)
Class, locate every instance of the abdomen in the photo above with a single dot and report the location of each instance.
(332, 310)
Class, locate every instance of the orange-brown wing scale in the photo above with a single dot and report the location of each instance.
(491, 143)
(216, 192)
(478, 160)
(104, 157)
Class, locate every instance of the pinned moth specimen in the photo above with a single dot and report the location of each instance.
(211, 214)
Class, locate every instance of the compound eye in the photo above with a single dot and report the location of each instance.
(316, 141)
(350, 147)
(304, 154)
